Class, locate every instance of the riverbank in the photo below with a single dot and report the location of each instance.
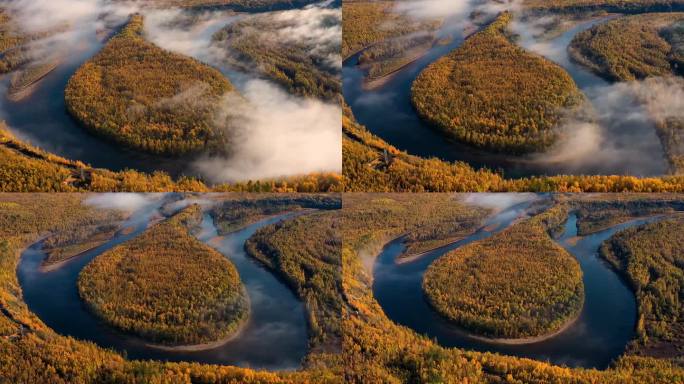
(208, 345)
(522, 340)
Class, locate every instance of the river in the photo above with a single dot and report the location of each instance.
(387, 112)
(594, 340)
(41, 118)
(275, 336)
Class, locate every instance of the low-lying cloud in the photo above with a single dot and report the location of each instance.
(271, 133)
(498, 201)
(122, 201)
(66, 23)
(615, 132)
(434, 9)
(275, 134)
(317, 27)
(618, 135)
(458, 14)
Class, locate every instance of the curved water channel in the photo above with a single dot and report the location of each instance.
(275, 336)
(598, 336)
(387, 112)
(41, 118)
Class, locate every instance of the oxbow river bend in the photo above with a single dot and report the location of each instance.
(274, 338)
(387, 112)
(597, 337)
(41, 118)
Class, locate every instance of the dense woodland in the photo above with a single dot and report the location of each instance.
(391, 55)
(636, 48)
(24, 78)
(597, 214)
(238, 5)
(518, 283)
(142, 96)
(303, 68)
(64, 245)
(671, 133)
(452, 222)
(305, 251)
(31, 352)
(370, 164)
(377, 350)
(493, 94)
(621, 6)
(14, 49)
(369, 22)
(232, 214)
(12, 54)
(25, 168)
(425, 220)
(632, 47)
(166, 286)
(651, 257)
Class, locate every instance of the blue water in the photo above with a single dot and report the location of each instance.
(600, 334)
(275, 337)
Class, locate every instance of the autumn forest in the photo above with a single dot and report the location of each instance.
(342, 191)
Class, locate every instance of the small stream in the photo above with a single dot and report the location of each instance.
(387, 112)
(605, 326)
(275, 337)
